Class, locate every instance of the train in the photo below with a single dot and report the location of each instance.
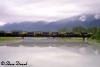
(44, 34)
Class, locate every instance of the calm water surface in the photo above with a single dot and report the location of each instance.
(49, 53)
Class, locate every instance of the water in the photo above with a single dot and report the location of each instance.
(53, 54)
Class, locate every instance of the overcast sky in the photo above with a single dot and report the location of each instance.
(47, 10)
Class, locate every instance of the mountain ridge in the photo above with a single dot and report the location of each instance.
(81, 20)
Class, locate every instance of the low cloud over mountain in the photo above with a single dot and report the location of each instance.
(84, 20)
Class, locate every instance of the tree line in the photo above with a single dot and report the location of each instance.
(93, 30)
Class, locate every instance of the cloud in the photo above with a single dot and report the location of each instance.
(48, 10)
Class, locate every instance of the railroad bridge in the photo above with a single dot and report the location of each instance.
(45, 34)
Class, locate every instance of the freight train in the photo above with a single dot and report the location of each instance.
(44, 34)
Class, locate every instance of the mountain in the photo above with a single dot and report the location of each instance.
(84, 20)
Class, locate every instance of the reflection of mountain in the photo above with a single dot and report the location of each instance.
(82, 20)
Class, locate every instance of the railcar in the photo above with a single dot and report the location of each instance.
(44, 34)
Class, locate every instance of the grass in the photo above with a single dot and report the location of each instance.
(8, 38)
(93, 41)
(80, 40)
(90, 41)
(71, 39)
